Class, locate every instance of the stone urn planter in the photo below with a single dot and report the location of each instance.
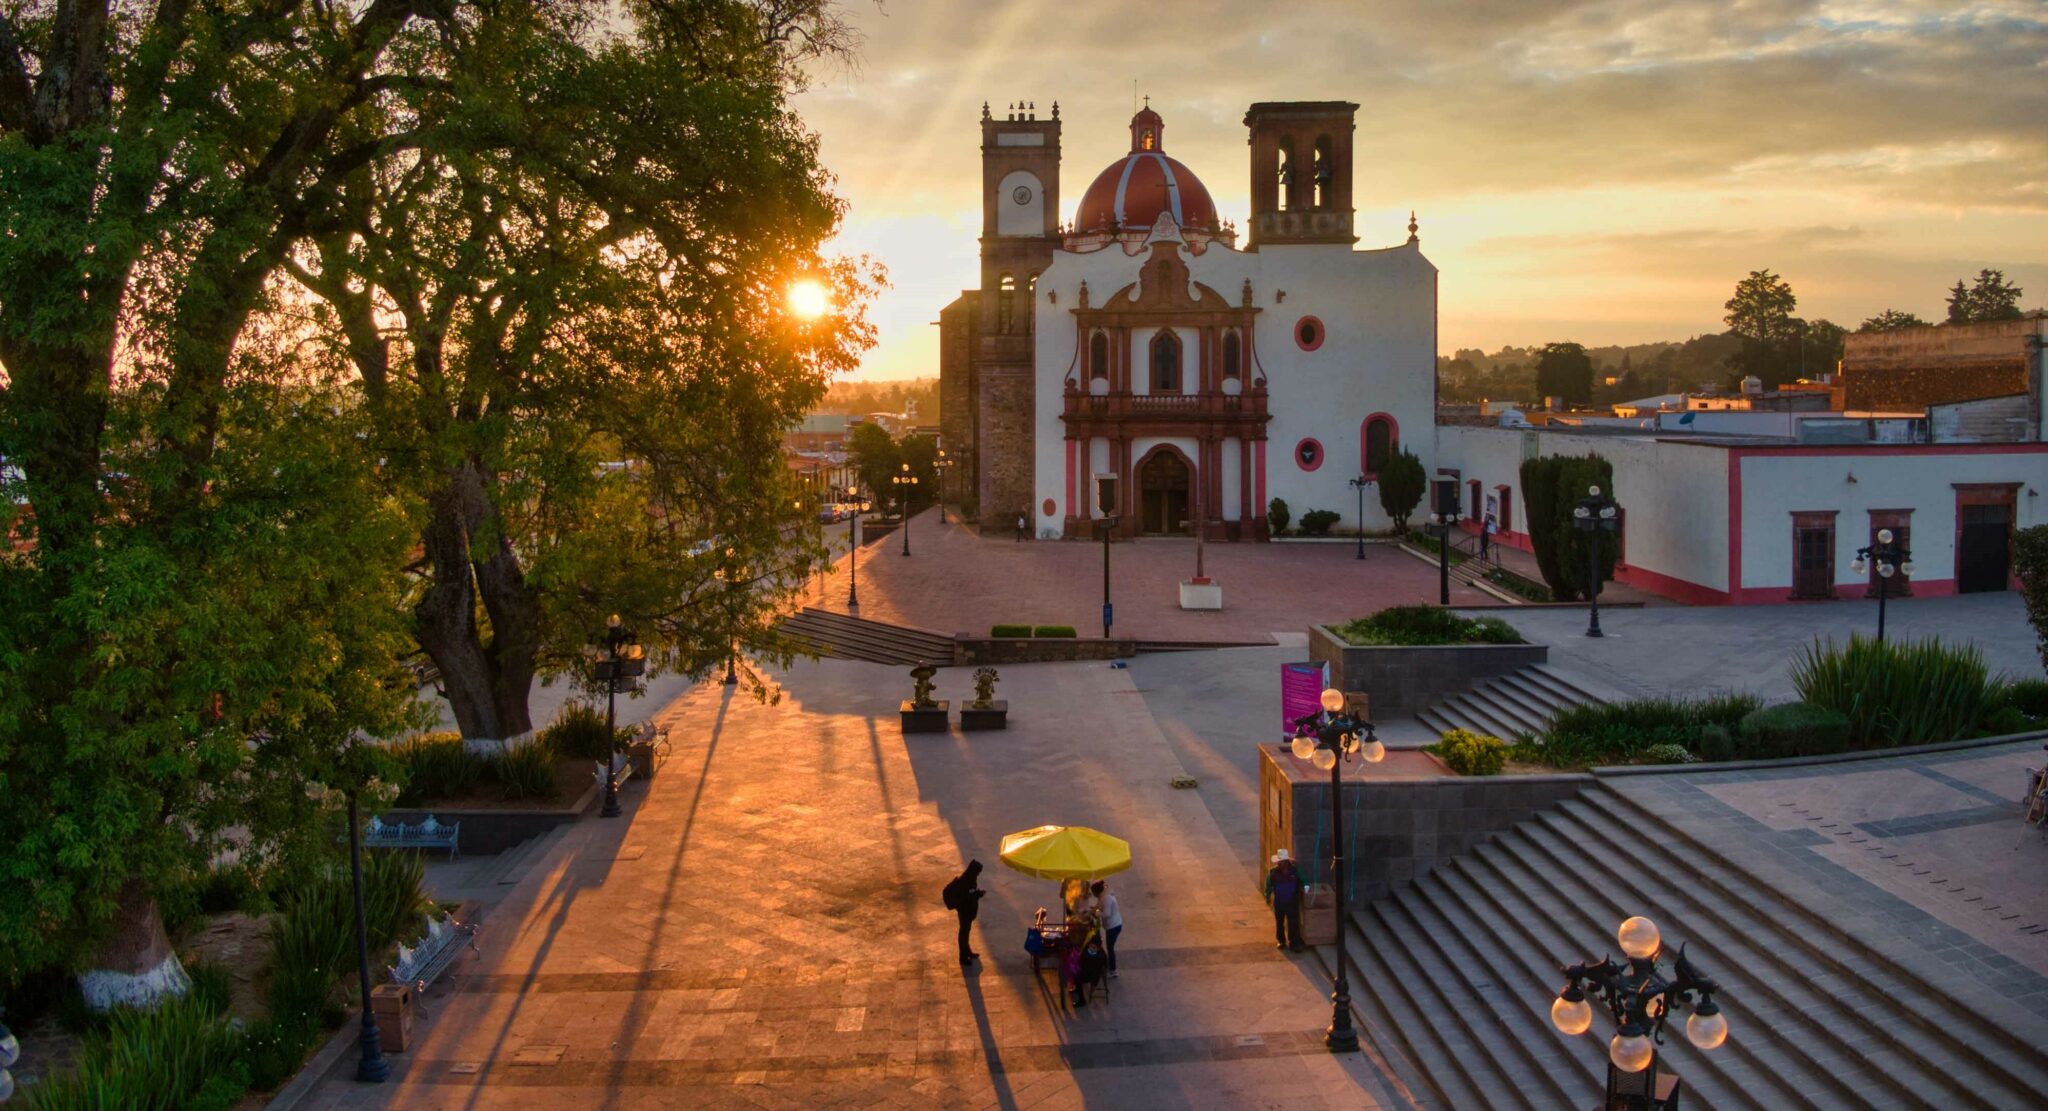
(922, 713)
(986, 711)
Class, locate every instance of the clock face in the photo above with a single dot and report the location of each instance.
(1021, 194)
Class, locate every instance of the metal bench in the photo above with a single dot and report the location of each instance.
(428, 833)
(622, 766)
(420, 965)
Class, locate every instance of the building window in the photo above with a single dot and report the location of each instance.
(1323, 171)
(1098, 356)
(1308, 333)
(1308, 454)
(1030, 300)
(1006, 297)
(1286, 153)
(1231, 354)
(1166, 363)
(1380, 439)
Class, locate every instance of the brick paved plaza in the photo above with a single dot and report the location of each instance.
(764, 928)
(955, 581)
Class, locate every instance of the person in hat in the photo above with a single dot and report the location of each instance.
(1283, 890)
(963, 898)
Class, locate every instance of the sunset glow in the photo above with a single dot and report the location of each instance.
(809, 299)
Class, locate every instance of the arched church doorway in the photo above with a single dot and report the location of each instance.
(1163, 483)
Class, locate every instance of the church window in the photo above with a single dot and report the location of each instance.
(1308, 333)
(1381, 441)
(1308, 454)
(1098, 355)
(1166, 363)
(1005, 303)
(1323, 172)
(1231, 354)
(1030, 299)
(1147, 140)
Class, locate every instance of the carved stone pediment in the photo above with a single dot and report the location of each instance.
(1163, 285)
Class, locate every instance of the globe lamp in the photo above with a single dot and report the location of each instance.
(1639, 938)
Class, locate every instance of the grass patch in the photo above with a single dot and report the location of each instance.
(1417, 626)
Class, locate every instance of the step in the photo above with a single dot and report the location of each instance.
(1537, 700)
(1394, 1027)
(844, 629)
(1746, 1072)
(1567, 692)
(1497, 722)
(1804, 1020)
(1445, 1058)
(1986, 1037)
(1511, 708)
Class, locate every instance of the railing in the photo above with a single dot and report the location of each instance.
(1167, 401)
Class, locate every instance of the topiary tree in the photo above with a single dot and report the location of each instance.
(1401, 482)
(1551, 486)
(1277, 515)
(2030, 561)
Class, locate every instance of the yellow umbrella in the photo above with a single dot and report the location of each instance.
(1065, 852)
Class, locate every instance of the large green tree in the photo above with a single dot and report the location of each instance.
(1990, 297)
(1760, 315)
(1565, 371)
(1890, 320)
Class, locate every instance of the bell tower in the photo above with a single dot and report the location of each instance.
(1020, 213)
(1301, 171)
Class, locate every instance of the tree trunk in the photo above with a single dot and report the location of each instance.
(487, 684)
(137, 967)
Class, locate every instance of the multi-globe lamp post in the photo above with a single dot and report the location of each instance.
(1441, 521)
(859, 505)
(906, 484)
(623, 660)
(1596, 513)
(1891, 558)
(1326, 740)
(1359, 484)
(1640, 1000)
(943, 464)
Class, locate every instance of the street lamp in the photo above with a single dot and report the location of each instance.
(943, 463)
(1326, 739)
(1441, 522)
(1640, 1000)
(1359, 484)
(905, 484)
(371, 1068)
(1891, 559)
(859, 505)
(622, 662)
(731, 579)
(1596, 513)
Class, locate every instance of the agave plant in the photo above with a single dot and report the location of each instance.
(1897, 693)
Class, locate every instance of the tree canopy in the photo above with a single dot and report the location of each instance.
(1401, 482)
(1990, 297)
(1564, 371)
(1890, 320)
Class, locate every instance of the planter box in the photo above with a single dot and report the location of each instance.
(929, 720)
(1021, 650)
(1201, 595)
(996, 715)
(1402, 682)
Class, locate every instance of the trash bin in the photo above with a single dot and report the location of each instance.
(391, 1006)
(1318, 925)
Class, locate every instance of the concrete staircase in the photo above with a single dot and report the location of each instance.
(1508, 705)
(1470, 573)
(851, 638)
(1455, 975)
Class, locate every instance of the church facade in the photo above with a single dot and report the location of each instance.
(1138, 364)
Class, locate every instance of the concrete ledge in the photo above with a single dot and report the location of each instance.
(1403, 681)
(494, 830)
(1027, 650)
(1809, 761)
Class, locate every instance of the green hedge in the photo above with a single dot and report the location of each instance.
(1317, 522)
(1415, 626)
(1007, 631)
(1054, 631)
(1792, 729)
(1627, 732)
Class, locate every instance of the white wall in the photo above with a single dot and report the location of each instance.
(1020, 219)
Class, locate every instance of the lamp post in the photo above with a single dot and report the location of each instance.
(371, 1068)
(1891, 558)
(1442, 521)
(859, 505)
(731, 579)
(905, 484)
(944, 464)
(1359, 484)
(1105, 525)
(623, 660)
(1326, 740)
(1596, 513)
(1640, 1000)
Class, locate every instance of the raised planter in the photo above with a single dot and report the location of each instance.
(924, 719)
(495, 829)
(1404, 681)
(995, 715)
(1201, 594)
(1024, 650)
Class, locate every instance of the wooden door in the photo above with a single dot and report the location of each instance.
(1983, 548)
(1813, 556)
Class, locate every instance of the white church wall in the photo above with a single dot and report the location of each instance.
(1055, 336)
(1026, 217)
(1233, 477)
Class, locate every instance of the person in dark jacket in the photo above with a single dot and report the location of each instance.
(1283, 890)
(963, 898)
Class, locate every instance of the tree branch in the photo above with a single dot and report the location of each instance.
(17, 99)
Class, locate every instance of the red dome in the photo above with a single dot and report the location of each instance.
(1131, 192)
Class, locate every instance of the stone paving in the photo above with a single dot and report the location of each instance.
(955, 581)
(764, 929)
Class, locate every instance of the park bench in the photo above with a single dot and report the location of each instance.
(428, 833)
(420, 965)
(622, 766)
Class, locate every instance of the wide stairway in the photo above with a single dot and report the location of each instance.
(851, 638)
(1506, 706)
(1456, 974)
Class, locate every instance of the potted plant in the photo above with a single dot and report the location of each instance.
(922, 713)
(986, 711)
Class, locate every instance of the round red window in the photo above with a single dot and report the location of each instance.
(1308, 454)
(1049, 506)
(1308, 333)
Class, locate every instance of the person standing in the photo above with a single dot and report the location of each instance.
(1283, 890)
(963, 898)
(1486, 536)
(1020, 528)
(1112, 920)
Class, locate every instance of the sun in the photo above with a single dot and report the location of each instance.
(809, 299)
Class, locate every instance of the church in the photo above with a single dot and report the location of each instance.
(1138, 363)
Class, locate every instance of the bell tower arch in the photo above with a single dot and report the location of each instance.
(1301, 171)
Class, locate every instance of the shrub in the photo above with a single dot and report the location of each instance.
(1551, 486)
(1519, 584)
(182, 1054)
(1007, 631)
(2030, 563)
(1425, 625)
(528, 771)
(1668, 754)
(1897, 692)
(1054, 631)
(1277, 515)
(1469, 753)
(1793, 729)
(212, 984)
(1618, 732)
(2008, 719)
(2027, 696)
(1317, 522)
(579, 731)
(1401, 483)
(437, 766)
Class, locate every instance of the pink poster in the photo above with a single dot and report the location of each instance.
(1301, 692)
